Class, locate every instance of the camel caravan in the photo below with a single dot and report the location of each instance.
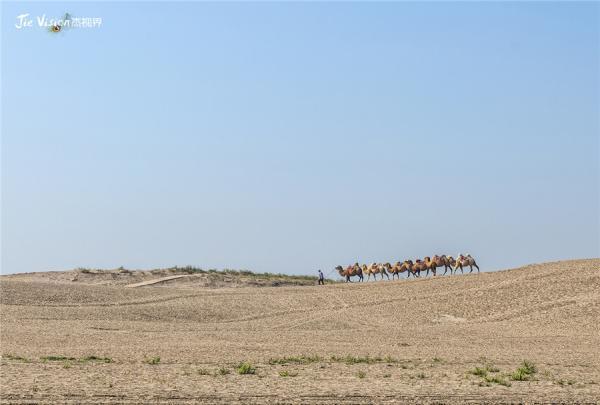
(409, 267)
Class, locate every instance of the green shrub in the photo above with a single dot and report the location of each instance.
(304, 359)
(245, 368)
(153, 360)
(286, 373)
(96, 358)
(478, 371)
(497, 380)
(223, 371)
(348, 359)
(525, 372)
(57, 358)
(361, 374)
(9, 356)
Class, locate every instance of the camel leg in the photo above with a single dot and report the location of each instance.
(475, 264)
(385, 272)
(471, 267)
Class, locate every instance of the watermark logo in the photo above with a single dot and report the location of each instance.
(56, 25)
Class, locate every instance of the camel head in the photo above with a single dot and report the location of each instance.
(339, 269)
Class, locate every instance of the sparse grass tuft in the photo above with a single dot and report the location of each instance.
(491, 368)
(67, 364)
(57, 358)
(286, 373)
(9, 356)
(497, 380)
(303, 359)
(525, 372)
(153, 360)
(203, 371)
(560, 382)
(96, 359)
(387, 375)
(361, 374)
(421, 375)
(245, 368)
(528, 367)
(478, 371)
(223, 371)
(437, 360)
(348, 359)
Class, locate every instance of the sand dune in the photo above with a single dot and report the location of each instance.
(422, 338)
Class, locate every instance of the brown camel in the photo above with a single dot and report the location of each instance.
(350, 271)
(418, 267)
(374, 269)
(398, 268)
(439, 261)
(463, 261)
(430, 264)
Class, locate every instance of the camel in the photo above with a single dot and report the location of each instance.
(418, 267)
(399, 267)
(374, 269)
(351, 271)
(430, 264)
(451, 262)
(438, 261)
(462, 261)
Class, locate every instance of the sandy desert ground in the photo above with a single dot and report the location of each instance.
(84, 339)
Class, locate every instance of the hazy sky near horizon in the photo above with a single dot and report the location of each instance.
(292, 137)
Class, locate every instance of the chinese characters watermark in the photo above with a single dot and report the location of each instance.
(57, 24)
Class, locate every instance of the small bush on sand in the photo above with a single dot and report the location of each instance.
(153, 360)
(524, 372)
(57, 358)
(348, 359)
(304, 359)
(13, 357)
(223, 371)
(361, 374)
(96, 359)
(497, 380)
(491, 368)
(203, 371)
(478, 371)
(245, 368)
(286, 373)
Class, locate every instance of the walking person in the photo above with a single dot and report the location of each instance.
(321, 278)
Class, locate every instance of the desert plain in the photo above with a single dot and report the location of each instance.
(524, 335)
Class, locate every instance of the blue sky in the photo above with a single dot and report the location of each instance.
(288, 137)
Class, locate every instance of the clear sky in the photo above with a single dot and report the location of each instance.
(292, 137)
